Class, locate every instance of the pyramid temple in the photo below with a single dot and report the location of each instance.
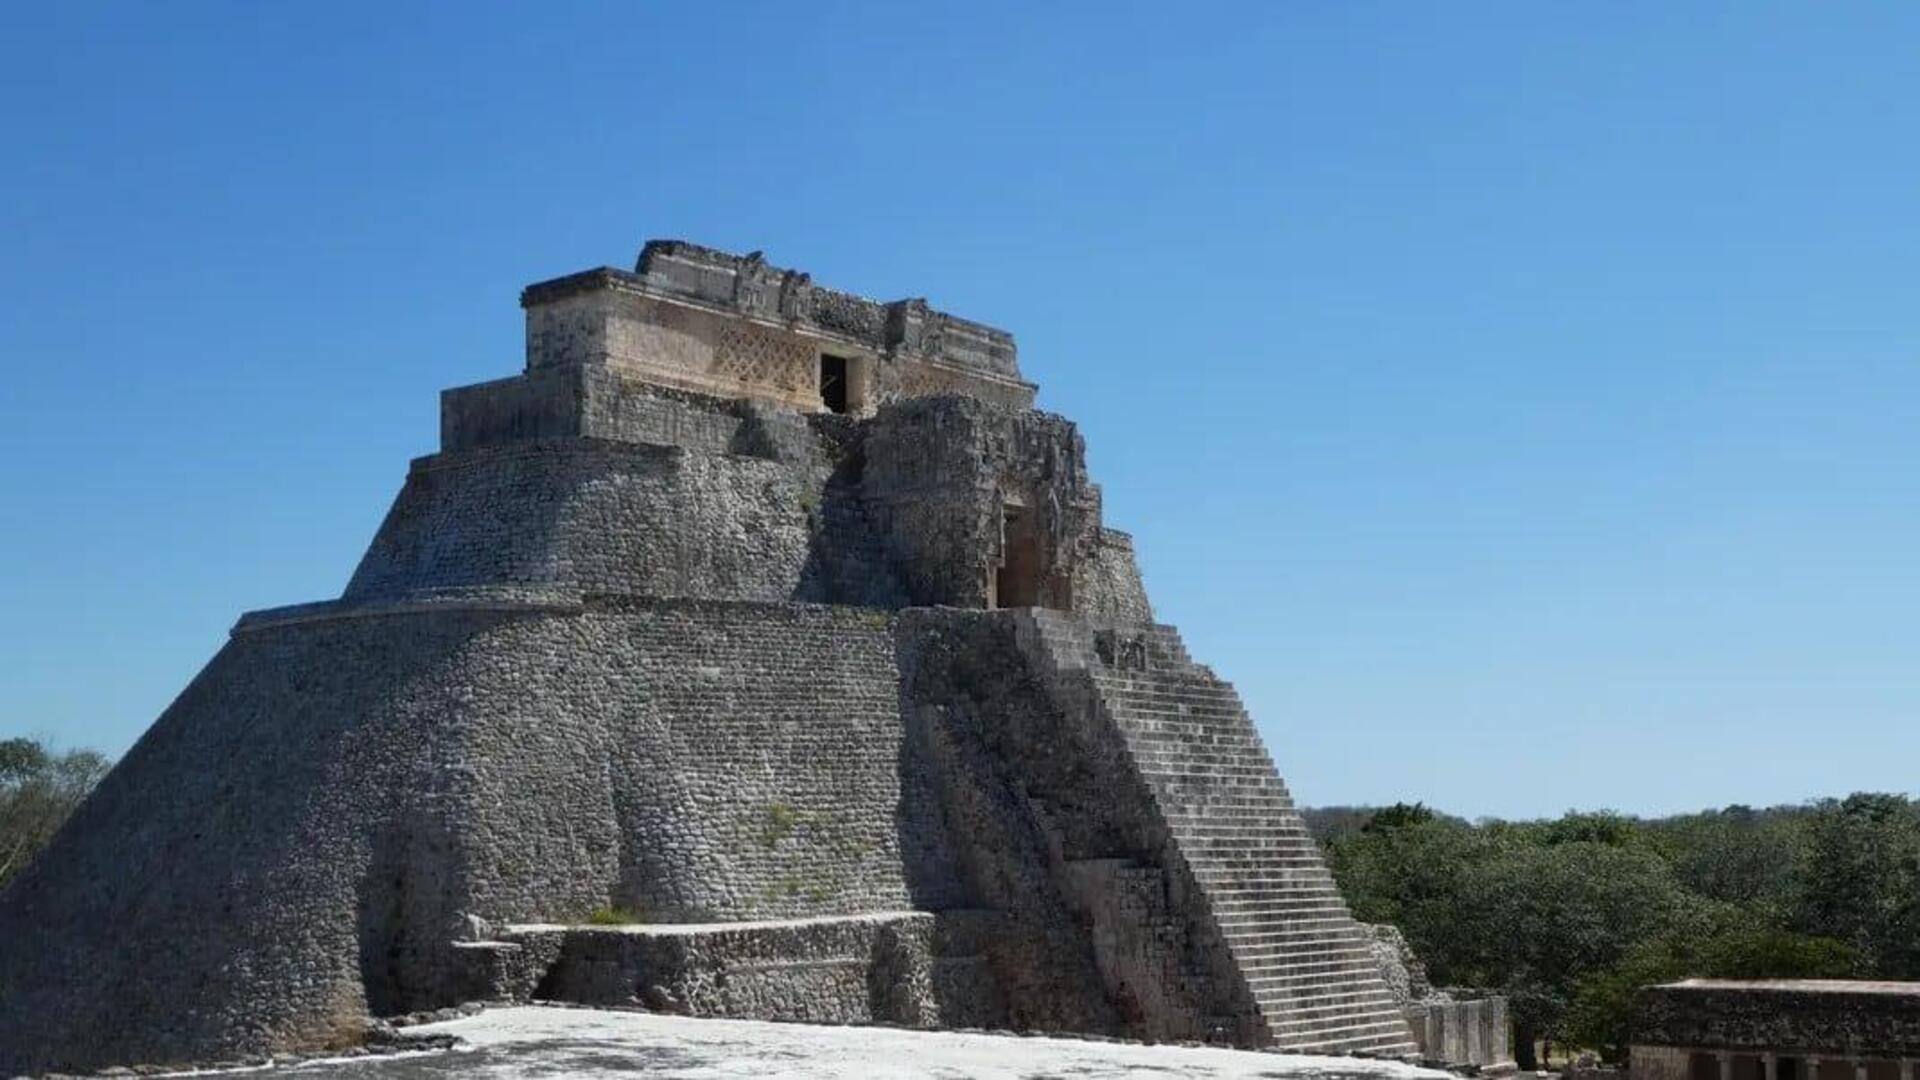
(758, 651)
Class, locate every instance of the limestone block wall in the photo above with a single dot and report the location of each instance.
(1811, 1016)
(301, 836)
(946, 478)
(590, 401)
(601, 516)
(1107, 583)
(743, 344)
(895, 967)
(1473, 1031)
(673, 345)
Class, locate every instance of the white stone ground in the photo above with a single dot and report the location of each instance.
(527, 1042)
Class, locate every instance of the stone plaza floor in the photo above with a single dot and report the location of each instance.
(530, 1041)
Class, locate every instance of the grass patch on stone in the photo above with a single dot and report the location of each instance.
(614, 916)
(779, 824)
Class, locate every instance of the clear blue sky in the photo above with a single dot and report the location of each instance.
(1516, 400)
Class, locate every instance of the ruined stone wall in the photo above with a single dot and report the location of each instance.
(944, 477)
(1106, 580)
(299, 839)
(913, 968)
(1861, 1018)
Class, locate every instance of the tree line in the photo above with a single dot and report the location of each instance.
(39, 788)
(1568, 917)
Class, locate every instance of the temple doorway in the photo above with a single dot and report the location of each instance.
(1020, 580)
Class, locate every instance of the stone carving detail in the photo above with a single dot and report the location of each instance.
(758, 358)
(796, 294)
(849, 315)
(753, 283)
(917, 380)
(1122, 652)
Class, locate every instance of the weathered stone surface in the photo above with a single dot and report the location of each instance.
(662, 639)
(1800, 1016)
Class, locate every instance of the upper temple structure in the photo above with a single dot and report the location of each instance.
(757, 651)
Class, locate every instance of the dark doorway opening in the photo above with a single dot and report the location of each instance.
(1020, 579)
(833, 382)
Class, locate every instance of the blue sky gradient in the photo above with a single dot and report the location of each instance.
(1516, 400)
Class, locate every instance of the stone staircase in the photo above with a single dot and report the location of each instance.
(1305, 962)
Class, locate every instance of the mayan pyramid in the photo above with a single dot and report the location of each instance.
(758, 651)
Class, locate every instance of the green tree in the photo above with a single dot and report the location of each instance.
(1728, 943)
(1569, 917)
(1861, 880)
(38, 790)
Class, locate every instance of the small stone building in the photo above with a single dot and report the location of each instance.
(1777, 1029)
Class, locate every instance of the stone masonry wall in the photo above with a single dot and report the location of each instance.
(298, 840)
(878, 967)
(1106, 581)
(615, 517)
(739, 344)
(587, 401)
(1861, 1018)
(942, 476)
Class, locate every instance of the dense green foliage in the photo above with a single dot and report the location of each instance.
(38, 789)
(1568, 917)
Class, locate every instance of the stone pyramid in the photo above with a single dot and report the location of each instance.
(758, 651)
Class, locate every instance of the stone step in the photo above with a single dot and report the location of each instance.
(1373, 994)
(1226, 854)
(1168, 692)
(1269, 890)
(1310, 952)
(1384, 1029)
(1308, 976)
(1253, 837)
(1334, 1018)
(1165, 680)
(1237, 804)
(1262, 877)
(1291, 827)
(1219, 712)
(1290, 942)
(1149, 734)
(1283, 926)
(1231, 921)
(1269, 898)
(1174, 749)
(1384, 1041)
